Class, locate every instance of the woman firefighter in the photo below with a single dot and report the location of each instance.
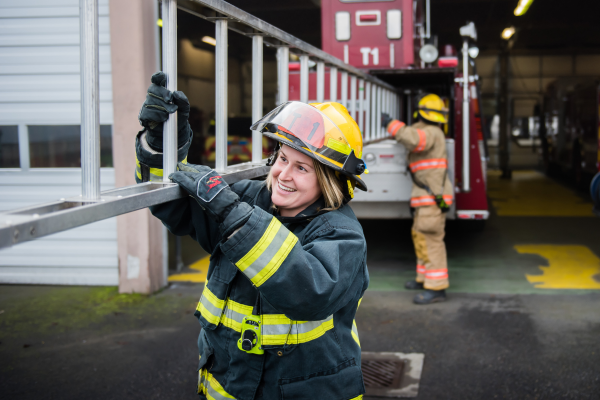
(288, 256)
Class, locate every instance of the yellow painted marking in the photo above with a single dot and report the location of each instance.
(199, 277)
(569, 267)
(532, 194)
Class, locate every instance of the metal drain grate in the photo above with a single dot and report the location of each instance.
(391, 374)
(382, 373)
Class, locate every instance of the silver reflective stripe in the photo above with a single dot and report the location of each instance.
(266, 257)
(355, 333)
(296, 328)
(146, 146)
(212, 392)
(210, 307)
(234, 315)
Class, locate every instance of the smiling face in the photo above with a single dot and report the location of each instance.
(294, 182)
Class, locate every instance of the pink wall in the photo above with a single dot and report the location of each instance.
(132, 25)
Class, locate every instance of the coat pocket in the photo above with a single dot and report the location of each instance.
(341, 383)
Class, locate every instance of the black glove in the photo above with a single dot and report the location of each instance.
(213, 194)
(385, 120)
(159, 103)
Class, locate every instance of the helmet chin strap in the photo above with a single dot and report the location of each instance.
(271, 160)
(347, 187)
(350, 188)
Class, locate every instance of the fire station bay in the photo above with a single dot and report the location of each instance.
(309, 199)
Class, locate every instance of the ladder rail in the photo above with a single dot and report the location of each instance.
(32, 222)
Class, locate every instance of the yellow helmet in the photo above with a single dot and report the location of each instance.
(324, 131)
(433, 109)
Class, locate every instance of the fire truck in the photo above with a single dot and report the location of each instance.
(392, 40)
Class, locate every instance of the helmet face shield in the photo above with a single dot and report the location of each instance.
(306, 129)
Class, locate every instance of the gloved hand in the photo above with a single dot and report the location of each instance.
(159, 103)
(213, 194)
(391, 125)
(385, 120)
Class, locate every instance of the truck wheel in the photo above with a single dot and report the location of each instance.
(595, 192)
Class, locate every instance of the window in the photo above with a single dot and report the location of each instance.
(59, 146)
(394, 24)
(342, 26)
(9, 147)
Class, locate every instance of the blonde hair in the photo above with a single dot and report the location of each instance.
(329, 183)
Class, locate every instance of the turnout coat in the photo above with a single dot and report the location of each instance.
(304, 276)
(427, 161)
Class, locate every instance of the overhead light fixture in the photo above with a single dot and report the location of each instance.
(473, 52)
(522, 7)
(508, 32)
(209, 40)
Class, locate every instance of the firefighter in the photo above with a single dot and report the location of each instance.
(431, 195)
(288, 256)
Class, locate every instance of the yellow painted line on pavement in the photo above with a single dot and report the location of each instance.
(569, 267)
(201, 266)
(532, 194)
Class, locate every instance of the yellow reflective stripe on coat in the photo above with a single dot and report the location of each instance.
(275, 326)
(234, 314)
(210, 306)
(210, 387)
(267, 255)
(277, 329)
(156, 174)
(357, 397)
(355, 333)
(354, 328)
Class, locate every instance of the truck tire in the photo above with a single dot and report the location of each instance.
(595, 192)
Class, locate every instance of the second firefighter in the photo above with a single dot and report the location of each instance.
(431, 196)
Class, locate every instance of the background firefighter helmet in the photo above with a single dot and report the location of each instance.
(324, 131)
(432, 108)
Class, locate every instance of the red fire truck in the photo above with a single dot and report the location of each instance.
(391, 40)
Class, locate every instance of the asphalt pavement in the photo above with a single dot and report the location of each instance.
(522, 320)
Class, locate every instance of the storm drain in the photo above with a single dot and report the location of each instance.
(391, 375)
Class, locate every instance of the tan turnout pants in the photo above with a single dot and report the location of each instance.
(428, 238)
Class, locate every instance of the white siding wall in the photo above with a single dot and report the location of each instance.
(39, 62)
(80, 256)
(39, 85)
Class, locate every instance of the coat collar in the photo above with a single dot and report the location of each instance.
(310, 212)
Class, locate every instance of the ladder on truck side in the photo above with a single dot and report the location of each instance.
(25, 224)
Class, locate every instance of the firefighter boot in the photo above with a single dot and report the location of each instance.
(430, 296)
(413, 285)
